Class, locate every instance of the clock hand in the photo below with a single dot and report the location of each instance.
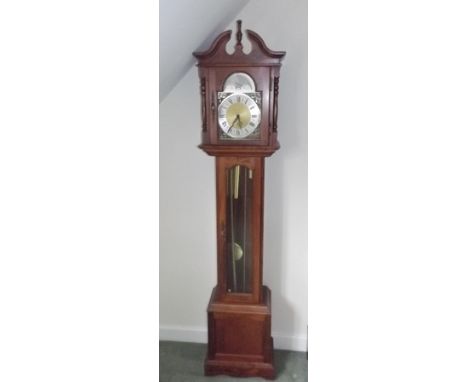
(233, 122)
(239, 122)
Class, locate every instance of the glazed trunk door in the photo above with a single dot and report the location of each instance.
(240, 193)
(238, 248)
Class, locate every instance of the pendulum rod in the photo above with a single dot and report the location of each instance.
(234, 178)
(244, 239)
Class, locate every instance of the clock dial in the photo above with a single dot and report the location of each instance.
(239, 82)
(238, 115)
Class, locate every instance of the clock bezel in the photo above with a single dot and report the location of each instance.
(253, 99)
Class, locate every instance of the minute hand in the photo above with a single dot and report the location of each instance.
(233, 122)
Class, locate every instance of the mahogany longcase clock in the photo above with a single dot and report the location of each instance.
(239, 109)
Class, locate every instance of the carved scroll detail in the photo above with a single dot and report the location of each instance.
(275, 103)
(203, 102)
(239, 35)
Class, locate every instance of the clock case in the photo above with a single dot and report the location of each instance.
(214, 67)
(239, 324)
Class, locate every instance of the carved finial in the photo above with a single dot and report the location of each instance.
(239, 34)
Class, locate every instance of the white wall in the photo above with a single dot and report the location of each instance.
(187, 193)
(184, 26)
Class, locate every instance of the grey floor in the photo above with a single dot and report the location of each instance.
(183, 362)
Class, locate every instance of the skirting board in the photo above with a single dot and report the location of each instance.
(200, 335)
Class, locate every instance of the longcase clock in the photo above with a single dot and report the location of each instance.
(239, 110)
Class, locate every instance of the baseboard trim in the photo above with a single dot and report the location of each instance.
(183, 334)
(295, 343)
(200, 335)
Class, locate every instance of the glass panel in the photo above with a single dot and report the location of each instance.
(239, 241)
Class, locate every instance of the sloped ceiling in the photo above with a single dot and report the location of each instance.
(186, 26)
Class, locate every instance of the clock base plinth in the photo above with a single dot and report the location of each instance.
(239, 338)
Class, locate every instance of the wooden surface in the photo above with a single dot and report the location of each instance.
(239, 324)
(256, 164)
(214, 66)
(239, 338)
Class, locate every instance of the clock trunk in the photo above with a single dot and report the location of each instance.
(239, 195)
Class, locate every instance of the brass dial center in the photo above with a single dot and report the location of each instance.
(238, 115)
